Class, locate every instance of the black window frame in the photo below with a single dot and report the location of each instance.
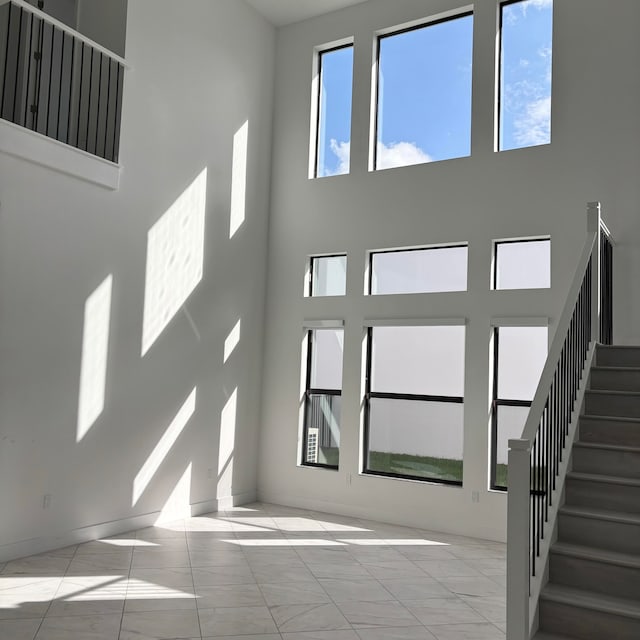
(311, 280)
(320, 55)
(422, 25)
(495, 403)
(458, 245)
(496, 243)
(308, 394)
(395, 396)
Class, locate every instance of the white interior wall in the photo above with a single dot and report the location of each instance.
(106, 22)
(61, 237)
(594, 155)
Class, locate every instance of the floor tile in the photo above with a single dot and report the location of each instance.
(236, 621)
(229, 595)
(160, 624)
(19, 629)
(343, 634)
(447, 568)
(275, 573)
(415, 588)
(492, 608)
(308, 617)
(472, 586)
(377, 614)
(294, 593)
(395, 633)
(98, 627)
(443, 611)
(209, 576)
(355, 589)
(167, 577)
(467, 632)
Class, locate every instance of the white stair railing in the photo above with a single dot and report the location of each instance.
(538, 460)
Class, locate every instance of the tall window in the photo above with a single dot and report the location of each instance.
(519, 357)
(526, 28)
(333, 127)
(321, 437)
(424, 93)
(427, 270)
(522, 264)
(414, 402)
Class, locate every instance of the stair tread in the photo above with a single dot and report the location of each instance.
(607, 347)
(614, 392)
(591, 600)
(601, 514)
(598, 477)
(597, 417)
(611, 367)
(594, 553)
(543, 635)
(622, 448)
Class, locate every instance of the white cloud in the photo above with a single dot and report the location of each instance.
(400, 154)
(396, 154)
(342, 150)
(533, 126)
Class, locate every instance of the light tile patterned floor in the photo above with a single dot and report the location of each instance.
(260, 572)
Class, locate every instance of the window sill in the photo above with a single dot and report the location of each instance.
(34, 147)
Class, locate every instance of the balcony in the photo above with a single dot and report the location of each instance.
(58, 86)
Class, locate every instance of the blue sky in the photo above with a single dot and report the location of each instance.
(424, 102)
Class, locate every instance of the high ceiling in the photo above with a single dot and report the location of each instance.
(283, 12)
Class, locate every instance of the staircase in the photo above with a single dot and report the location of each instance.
(593, 591)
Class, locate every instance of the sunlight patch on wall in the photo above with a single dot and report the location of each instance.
(95, 347)
(239, 179)
(161, 450)
(232, 341)
(178, 504)
(175, 259)
(227, 444)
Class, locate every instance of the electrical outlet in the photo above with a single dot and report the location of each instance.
(46, 501)
(475, 496)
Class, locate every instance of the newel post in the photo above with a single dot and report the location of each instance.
(593, 226)
(518, 536)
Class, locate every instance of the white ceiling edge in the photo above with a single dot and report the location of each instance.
(283, 12)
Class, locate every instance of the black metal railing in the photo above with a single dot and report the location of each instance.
(606, 286)
(54, 82)
(548, 447)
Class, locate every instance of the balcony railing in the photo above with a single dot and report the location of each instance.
(538, 460)
(58, 83)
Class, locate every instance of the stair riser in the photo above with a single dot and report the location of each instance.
(602, 495)
(615, 380)
(586, 624)
(605, 404)
(610, 432)
(601, 577)
(603, 534)
(623, 464)
(618, 357)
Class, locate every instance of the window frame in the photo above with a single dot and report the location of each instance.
(495, 403)
(368, 394)
(369, 291)
(498, 90)
(318, 102)
(312, 258)
(494, 275)
(423, 24)
(311, 391)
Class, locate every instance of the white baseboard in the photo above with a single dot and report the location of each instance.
(42, 544)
